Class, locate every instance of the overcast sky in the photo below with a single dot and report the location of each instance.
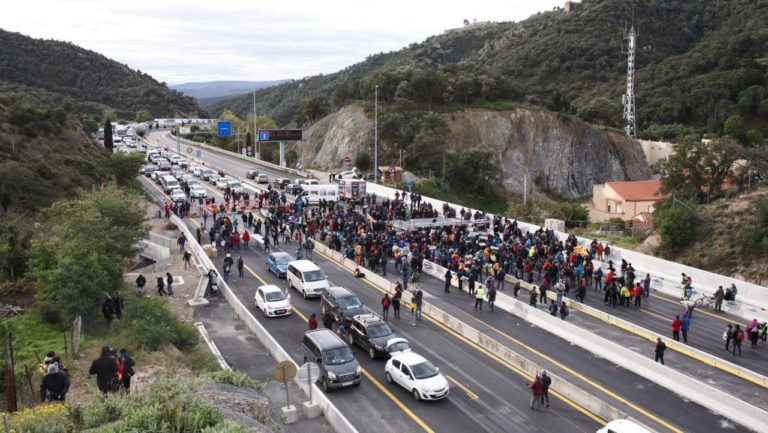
(193, 40)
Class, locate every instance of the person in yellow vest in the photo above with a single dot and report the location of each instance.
(624, 295)
(479, 296)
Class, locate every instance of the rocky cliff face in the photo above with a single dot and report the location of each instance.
(558, 154)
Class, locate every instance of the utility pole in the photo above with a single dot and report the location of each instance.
(376, 136)
(256, 142)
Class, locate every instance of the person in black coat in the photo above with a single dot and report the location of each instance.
(105, 369)
(141, 281)
(108, 309)
(55, 385)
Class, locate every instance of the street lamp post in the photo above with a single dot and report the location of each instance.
(376, 136)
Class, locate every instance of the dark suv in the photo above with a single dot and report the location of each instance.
(342, 303)
(374, 335)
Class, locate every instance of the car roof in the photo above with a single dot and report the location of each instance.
(340, 291)
(304, 265)
(280, 254)
(368, 319)
(269, 288)
(409, 358)
(326, 338)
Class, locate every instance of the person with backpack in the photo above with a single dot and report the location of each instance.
(739, 337)
(491, 295)
(385, 302)
(124, 364)
(105, 370)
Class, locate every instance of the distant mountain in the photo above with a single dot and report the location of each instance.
(208, 92)
(83, 75)
(698, 63)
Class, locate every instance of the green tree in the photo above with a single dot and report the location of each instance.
(475, 171)
(734, 126)
(311, 109)
(124, 167)
(80, 253)
(14, 252)
(677, 224)
(363, 160)
(696, 169)
(108, 144)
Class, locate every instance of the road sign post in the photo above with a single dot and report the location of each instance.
(285, 371)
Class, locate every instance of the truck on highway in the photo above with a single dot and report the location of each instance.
(351, 189)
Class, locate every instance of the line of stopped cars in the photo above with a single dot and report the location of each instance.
(332, 351)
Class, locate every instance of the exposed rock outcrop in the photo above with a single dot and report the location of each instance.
(559, 154)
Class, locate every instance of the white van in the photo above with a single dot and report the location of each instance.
(623, 426)
(314, 193)
(307, 278)
(169, 183)
(303, 182)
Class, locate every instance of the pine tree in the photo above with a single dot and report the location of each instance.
(108, 135)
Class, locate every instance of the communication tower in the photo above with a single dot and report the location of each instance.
(628, 99)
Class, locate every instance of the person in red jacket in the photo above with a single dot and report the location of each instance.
(312, 322)
(637, 293)
(537, 389)
(246, 238)
(676, 324)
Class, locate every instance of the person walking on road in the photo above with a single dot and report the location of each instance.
(659, 353)
(753, 332)
(448, 277)
(479, 295)
(685, 326)
(396, 300)
(676, 324)
(385, 302)
(552, 308)
(647, 285)
(719, 296)
(418, 296)
(491, 297)
(546, 381)
(105, 369)
(738, 337)
(537, 390)
(312, 321)
(727, 337)
(240, 266)
(187, 257)
(328, 320)
(564, 311)
(161, 286)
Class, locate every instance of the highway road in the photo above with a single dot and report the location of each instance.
(657, 402)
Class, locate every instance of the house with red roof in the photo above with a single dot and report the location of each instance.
(626, 200)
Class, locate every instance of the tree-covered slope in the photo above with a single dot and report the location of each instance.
(698, 63)
(84, 75)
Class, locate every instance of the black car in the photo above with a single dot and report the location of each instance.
(294, 189)
(374, 335)
(281, 183)
(341, 303)
(252, 174)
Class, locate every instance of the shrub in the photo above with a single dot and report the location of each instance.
(154, 325)
(46, 418)
(234, 377)
(676, 225)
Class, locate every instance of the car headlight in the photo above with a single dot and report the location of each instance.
(359, 370)
(331, 375)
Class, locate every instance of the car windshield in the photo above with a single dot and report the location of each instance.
(234, 185)
(341, 355)
(380, 330)
(282, 259)
(400, 346)
(349, 302)
(274, 296)
(311, 276)
(424, 370)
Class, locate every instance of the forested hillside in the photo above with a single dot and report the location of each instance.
(84, 75)
(698, 64)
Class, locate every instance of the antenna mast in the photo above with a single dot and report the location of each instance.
(628, 99)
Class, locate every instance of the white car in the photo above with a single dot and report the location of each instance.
(271, 300)
(197, 191)
(221, 183)
(417, 375)
(236, 186)
(623, 426)
(197, 170)
(178, 195)
(347, 175)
